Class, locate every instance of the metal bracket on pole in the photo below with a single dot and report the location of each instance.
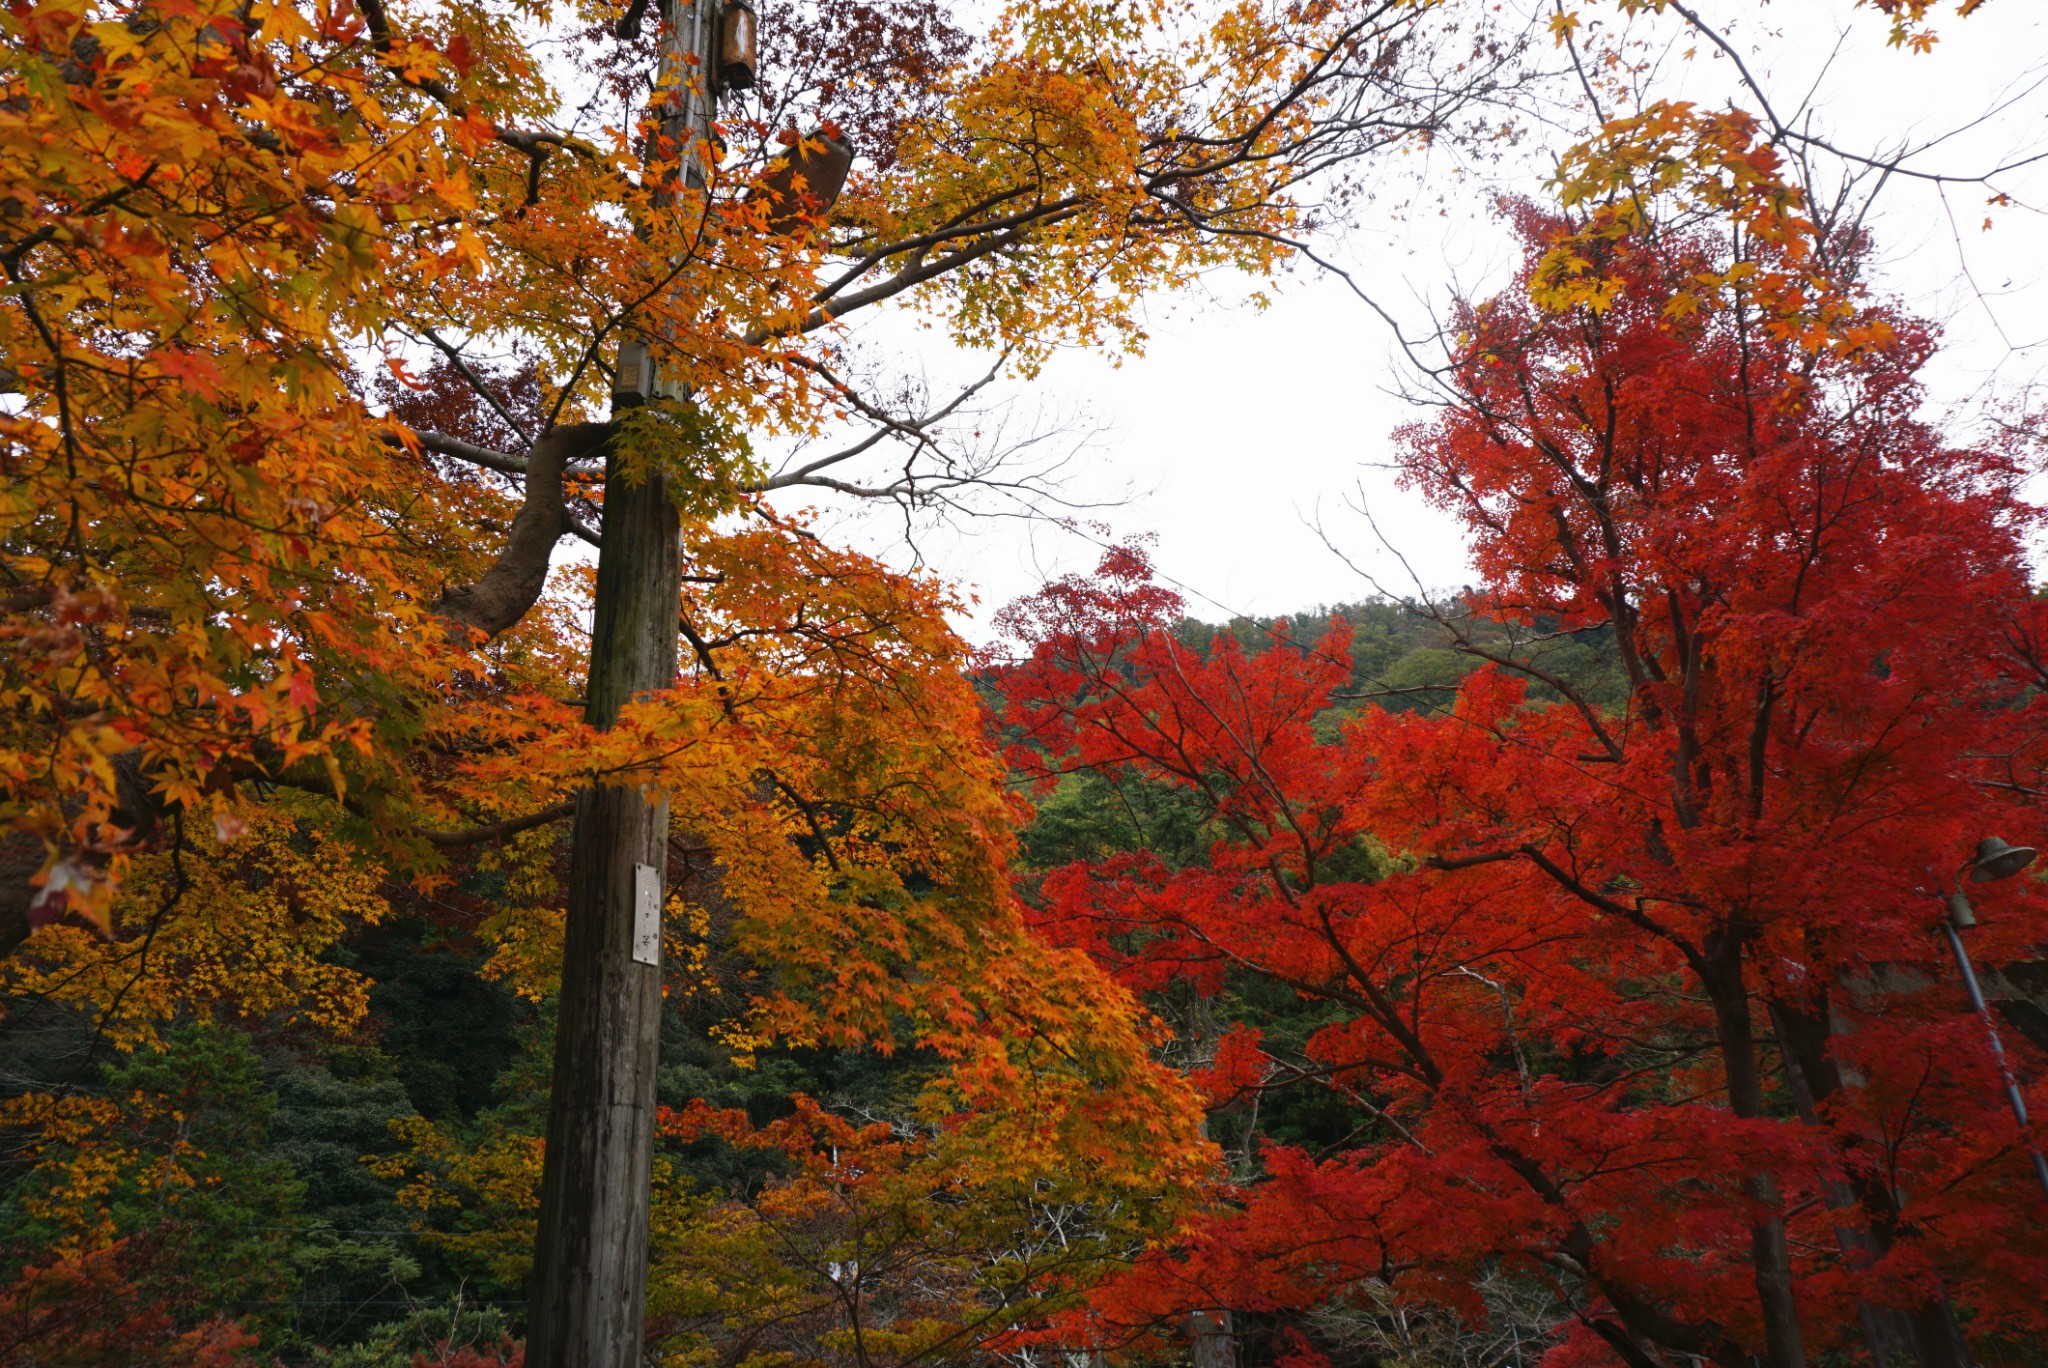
(639, 380)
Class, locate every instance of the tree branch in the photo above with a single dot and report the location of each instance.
(513, 584)
(498, 831)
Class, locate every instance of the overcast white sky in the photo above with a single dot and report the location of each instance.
(1239, 430)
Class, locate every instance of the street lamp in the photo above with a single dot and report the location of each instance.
(1994, 860)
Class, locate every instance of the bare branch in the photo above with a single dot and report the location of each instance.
(476, 383)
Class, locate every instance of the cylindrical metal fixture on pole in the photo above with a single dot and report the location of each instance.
(738, 45)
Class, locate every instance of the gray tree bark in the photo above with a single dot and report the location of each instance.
(1214, 1339)
(513, 584)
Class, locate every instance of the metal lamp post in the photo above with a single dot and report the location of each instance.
(1994, 860)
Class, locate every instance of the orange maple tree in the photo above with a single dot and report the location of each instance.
(227, 564)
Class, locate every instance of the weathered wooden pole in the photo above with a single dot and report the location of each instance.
(589, 1288)
(590, 1253)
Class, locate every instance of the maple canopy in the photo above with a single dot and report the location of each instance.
(1642, 1003)
(276, 633)
(228, 562)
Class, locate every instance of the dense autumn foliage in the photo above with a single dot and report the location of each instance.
(228, 565)
(287, 655)
(1645, 1003)
(254, 598)
(310, 326)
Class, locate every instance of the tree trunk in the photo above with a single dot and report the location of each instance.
(1925, 1336)
(1784, 1342)
(590, 1254)
(1214, 1341)
(1770, 1255)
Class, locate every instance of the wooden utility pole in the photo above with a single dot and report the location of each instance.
(590, 1253)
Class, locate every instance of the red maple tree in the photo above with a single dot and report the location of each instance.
(1642, 1002)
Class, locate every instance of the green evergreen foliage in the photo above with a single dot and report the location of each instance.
(436, 1332)
(448, 1032)
(353, 1246)
(242, 1179)
(1092, 814)
(328, 1116)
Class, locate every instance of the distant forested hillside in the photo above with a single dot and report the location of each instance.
(1403, 656)
(1409, 655)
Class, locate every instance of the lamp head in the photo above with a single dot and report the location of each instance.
(1997, 860)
